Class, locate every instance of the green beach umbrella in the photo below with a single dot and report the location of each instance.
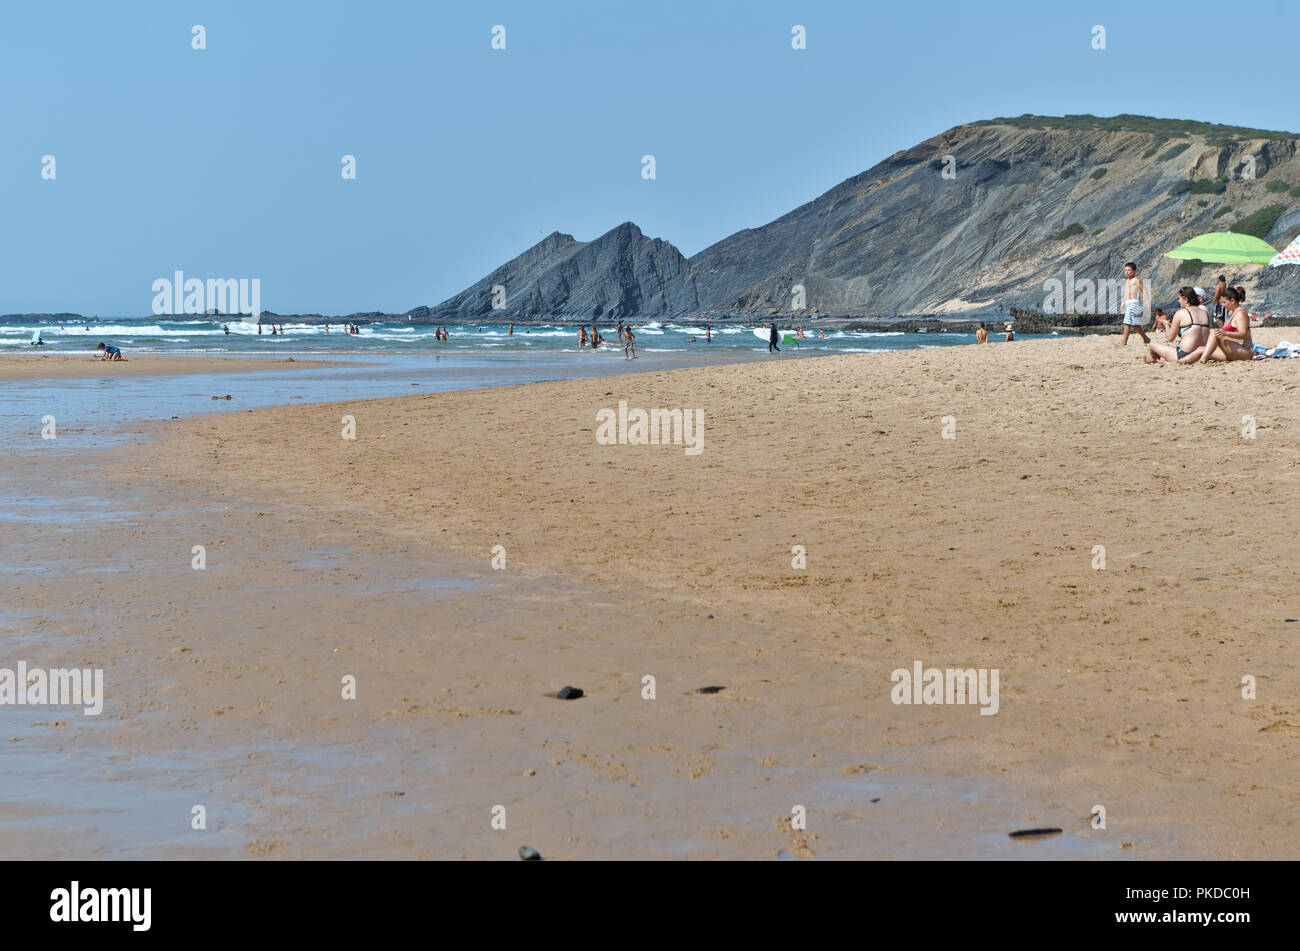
(1224, 247)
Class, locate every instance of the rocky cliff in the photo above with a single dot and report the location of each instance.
(975, 220)
(620, 274)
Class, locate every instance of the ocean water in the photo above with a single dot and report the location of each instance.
(193, 335)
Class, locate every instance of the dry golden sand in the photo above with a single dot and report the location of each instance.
(1119, 687)
(41, 366)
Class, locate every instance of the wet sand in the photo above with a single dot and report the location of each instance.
(328, 557)
(47, 366)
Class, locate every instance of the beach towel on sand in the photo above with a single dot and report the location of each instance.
(1285, 350)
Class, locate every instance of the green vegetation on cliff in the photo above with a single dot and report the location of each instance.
(1131, 123)
(1261, 222)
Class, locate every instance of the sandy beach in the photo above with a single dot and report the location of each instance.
(327, 557)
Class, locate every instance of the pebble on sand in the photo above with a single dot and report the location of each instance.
(1033, 833)
(529, 854)
(709, 689)
(568, 693)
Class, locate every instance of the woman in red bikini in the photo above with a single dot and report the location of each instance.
(1233, 340)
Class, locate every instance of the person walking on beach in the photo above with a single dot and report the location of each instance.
(772, 339)
(982, 335)
(629, 348)
(1135, 298)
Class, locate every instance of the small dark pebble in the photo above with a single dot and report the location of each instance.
(1200, 578)
(877, 799)
(1289, 620)
(710, 689)
(568, 693)
(529, 854)
(709, 616)
(1034, 833)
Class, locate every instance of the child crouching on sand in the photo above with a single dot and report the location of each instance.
(109, 352)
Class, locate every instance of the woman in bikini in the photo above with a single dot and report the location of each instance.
(1188, 331)
(1233, 341)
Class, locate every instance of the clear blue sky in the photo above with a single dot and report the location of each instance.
(225, 162)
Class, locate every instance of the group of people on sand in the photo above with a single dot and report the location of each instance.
(1190, 334)
(626, 339)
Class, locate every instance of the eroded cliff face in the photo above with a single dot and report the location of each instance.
(1018, 207)
(977, 219)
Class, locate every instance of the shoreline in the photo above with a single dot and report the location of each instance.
(51, 366)
(628, 560)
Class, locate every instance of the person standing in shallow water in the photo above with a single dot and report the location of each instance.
(629, 348)
(772, 339)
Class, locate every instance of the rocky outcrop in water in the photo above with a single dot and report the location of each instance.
(620, 274)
